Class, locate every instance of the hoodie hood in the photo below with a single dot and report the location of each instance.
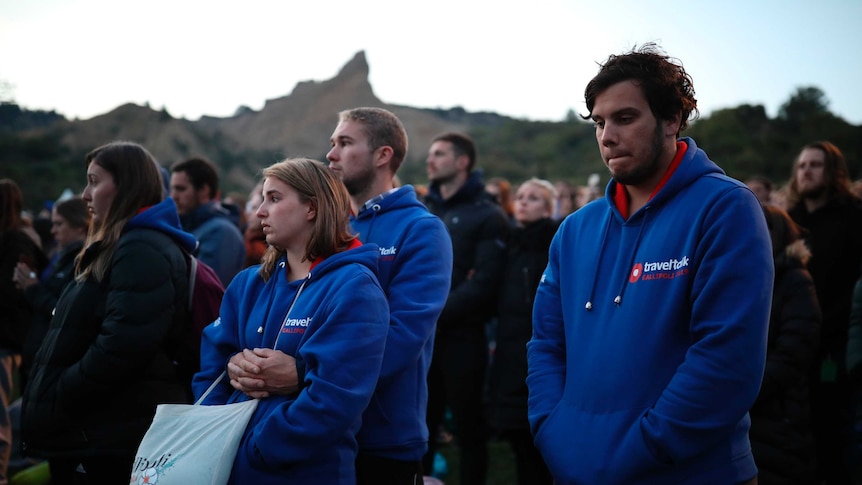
(695, 164)
(210, 210)
(364, 254)
(163, 217)
(403, 198)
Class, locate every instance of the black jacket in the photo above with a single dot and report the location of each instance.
(15, 312)
(478, 228)
(526, 259)
(835, 239)
(107, 358)
(781, 435)
(42, 298)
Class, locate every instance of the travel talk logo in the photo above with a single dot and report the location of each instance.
(662, 270)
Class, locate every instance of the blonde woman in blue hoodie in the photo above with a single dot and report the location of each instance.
(316, 297)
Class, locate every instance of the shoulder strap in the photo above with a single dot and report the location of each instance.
(193, 267)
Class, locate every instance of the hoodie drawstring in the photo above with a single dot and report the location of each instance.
(292, 303)
(589, 305)
(619, 298)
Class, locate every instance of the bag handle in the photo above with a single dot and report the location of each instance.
(224, 372)
(210, 389)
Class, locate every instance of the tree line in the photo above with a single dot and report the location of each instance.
(743, 140)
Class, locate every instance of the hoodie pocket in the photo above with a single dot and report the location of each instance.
(589, 447)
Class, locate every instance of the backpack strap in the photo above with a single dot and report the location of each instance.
(193, 267)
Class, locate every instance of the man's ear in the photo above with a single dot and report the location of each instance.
(383, 156)
(671, 126)
(203, 194)
(463, 162)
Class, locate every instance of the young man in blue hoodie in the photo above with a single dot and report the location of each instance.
(415, 265)
(649, 324)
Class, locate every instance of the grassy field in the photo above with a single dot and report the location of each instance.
(501, 464)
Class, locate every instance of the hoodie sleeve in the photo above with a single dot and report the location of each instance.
(418, 289)
(546, 351)
(718, 381)
(220, 341)
(343, 357)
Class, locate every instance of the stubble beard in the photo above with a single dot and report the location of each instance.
(813, 192)
(360, 182)
(644, 172)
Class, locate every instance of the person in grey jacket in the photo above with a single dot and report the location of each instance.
(195, 190)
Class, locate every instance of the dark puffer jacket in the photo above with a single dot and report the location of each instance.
(108, 357)
(781, 435)
(478, 228)
(43, 298)
(526, 258)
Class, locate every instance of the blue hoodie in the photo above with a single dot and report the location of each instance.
(415, 272)
(652, 383)
(338, 327)
(163, 217)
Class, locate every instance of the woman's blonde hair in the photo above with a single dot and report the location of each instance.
(314, 182)
(549, 192)
(139, 184)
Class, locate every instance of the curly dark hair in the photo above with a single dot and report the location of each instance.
(668, 88)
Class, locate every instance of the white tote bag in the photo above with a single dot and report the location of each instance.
(191, 444)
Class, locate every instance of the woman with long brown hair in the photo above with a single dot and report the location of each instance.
(115, 346)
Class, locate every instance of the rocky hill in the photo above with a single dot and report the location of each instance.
(298, 124)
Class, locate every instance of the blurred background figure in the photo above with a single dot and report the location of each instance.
(565, 203)
(762, 188)
(588, 193)
(822, 203)
(70, 222)
(255, 239)
(195, 190)
(16, 246)
(526, 258)
(500, 191)
(781, 436)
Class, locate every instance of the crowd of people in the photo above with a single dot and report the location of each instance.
(679, 327)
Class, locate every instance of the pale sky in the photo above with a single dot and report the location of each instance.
(527, 59)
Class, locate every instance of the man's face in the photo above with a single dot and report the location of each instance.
(184, 193)
(630, 138)
(350, 158)
(811, 172)
(442, 164)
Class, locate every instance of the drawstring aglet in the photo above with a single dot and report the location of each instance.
(617, 300)
(260, 329)
(589, 306)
